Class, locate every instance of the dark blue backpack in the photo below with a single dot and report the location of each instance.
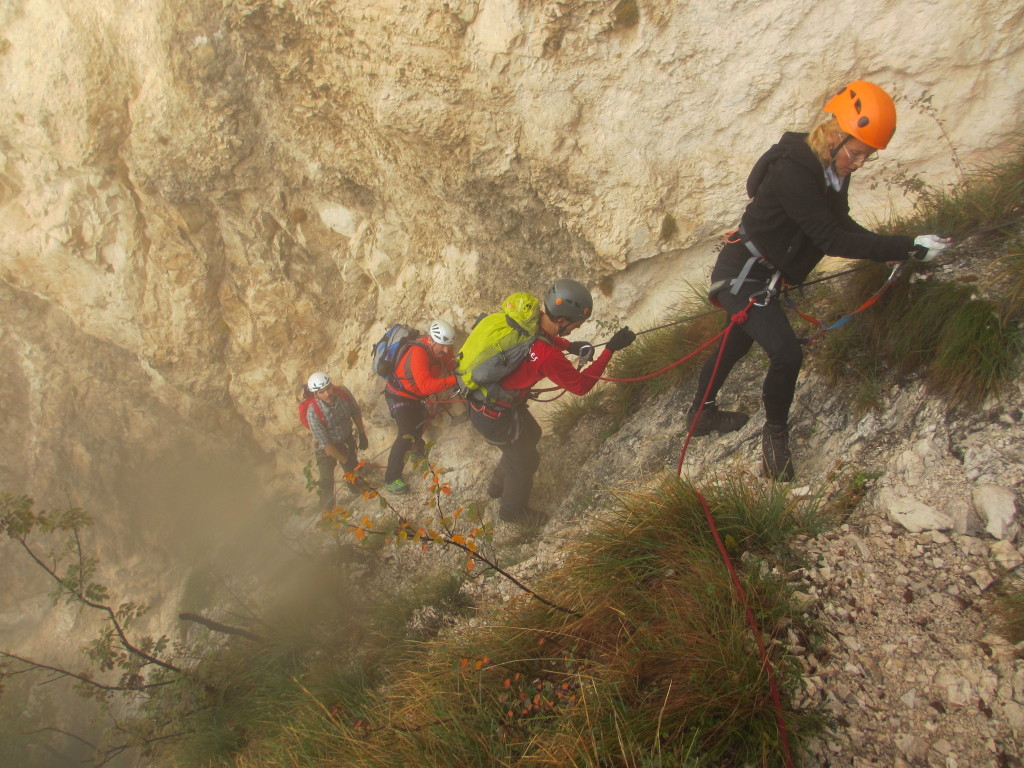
(392, 345)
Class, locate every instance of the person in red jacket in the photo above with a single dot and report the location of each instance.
(425, 368)
(567, 305)
(799, 211)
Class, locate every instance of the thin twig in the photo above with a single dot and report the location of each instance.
(112, 616)
(67, 673)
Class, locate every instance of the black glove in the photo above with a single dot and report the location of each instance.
(621, 339)
(584, 350)
(363, 442)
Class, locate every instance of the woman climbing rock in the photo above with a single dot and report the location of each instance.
(799, 211)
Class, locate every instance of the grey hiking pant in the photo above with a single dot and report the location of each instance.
(411, 419)
(516, 433)
(326, 464)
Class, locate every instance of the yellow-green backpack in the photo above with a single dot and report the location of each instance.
(496, 346)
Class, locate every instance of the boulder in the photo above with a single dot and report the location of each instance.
(996, 507)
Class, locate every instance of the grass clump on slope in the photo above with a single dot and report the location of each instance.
(963, 338)
(657, 668)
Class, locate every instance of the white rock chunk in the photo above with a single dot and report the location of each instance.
(997, 508)
(912, 514)
(1004, 553)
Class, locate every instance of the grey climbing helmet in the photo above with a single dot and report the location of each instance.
(568, 299)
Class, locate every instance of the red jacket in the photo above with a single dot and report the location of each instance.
(546, 361)
(419, 374)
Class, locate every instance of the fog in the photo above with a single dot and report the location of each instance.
(189, 511)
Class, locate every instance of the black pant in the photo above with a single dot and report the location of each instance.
(411, 418)
(770, 328)
(326, 464)
(516, 433)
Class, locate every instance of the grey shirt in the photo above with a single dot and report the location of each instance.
(336, 426)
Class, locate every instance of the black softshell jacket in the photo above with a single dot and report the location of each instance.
(795, 217)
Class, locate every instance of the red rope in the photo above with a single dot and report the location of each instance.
(752, 623)
(737, 319)
(741, 317)
(869, 302)
(668, 367)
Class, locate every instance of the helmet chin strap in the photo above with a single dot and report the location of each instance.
(832, 176)
(840, 145)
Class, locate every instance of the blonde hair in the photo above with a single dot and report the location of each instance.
(820, 141)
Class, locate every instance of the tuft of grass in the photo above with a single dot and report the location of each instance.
(966, 347)
(567, 412)
(658, 668)
(977, 354)
(1007, 275)
(986, 198)
(849, 491)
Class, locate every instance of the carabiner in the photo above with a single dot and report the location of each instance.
(897, 270)
(769, 292)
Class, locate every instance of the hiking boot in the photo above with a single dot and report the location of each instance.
(528, 518)
(397, 487)
(714, 420)
(775, 456)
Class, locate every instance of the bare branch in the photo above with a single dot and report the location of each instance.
(226, 629)
(111, 615)
(35, 665)
(110, 753)
(81, 564)
(74, 736)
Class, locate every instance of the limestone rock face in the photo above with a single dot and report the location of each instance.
(201, 203)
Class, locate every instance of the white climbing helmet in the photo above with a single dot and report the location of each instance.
(318, 381)
(442, 332)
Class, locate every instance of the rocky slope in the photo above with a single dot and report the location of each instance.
(200, 203)
(910, 664)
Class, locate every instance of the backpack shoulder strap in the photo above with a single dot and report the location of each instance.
(404, 364)
(316, 407)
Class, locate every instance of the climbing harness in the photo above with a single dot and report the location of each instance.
(735, 284)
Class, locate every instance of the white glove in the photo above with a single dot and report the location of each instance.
(930, 246)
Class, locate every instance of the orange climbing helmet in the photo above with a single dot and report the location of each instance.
(866, 112)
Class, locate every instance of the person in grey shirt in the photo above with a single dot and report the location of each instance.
(332, 412)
